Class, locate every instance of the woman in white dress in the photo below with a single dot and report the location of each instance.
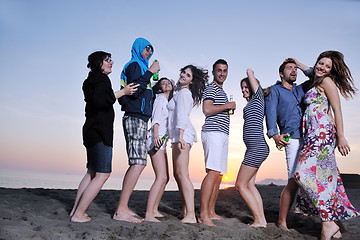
(159, 123)
(191, 85)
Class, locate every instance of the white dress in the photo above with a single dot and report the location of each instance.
(180, 107)
(160, 115)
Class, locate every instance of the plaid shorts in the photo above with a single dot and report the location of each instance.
(135, 130)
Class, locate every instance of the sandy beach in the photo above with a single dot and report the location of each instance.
(44, 214)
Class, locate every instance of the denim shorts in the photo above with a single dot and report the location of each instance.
(99, 158)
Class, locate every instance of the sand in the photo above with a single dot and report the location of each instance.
(44, 214)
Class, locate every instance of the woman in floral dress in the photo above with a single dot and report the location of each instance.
(322, 192)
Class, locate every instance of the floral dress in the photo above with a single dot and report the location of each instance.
(321, 191)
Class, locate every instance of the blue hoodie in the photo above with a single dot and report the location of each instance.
(136, 71)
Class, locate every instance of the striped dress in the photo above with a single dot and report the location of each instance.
(257, 149)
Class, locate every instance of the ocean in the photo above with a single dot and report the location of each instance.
(35, 179)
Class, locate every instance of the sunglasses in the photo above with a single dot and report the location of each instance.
(149, 48)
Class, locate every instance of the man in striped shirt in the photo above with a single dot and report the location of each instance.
(214, 136)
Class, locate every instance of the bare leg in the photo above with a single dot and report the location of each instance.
(161, 178)
(123, 213)
(286, 201)
(328, 230)
(83, 184)
(213, 199)
(178, 182)
(161, 193)
(245, 184)
(88, 196)
(257, 196)
(207, 188)
(181, 167)
(158, 199)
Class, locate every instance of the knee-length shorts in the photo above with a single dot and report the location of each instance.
(135, 130)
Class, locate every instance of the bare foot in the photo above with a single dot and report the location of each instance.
(158, 214)
(206, 221)
(189, 219)
(127, 218)
(131, 213)
(80, 218)
(216, 217)
(258, 225)
(337, 235)
(328, 230)
(151, 219)
(283, 227)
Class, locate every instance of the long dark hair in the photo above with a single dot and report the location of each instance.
(95, 60)
(340, 74)
(157, 88)
(199, 81)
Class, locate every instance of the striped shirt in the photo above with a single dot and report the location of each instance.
(217, 122)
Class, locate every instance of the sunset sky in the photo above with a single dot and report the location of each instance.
(44, 47)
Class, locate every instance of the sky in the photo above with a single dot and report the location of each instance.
(43, 55)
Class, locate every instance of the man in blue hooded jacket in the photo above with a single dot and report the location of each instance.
(137, 110)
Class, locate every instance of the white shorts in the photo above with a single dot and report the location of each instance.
(292, 154)
(215, 146)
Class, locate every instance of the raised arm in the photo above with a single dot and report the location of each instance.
(253, 82)
(332, 94)
(299, 65)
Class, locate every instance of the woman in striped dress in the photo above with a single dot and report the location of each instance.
(257, 148)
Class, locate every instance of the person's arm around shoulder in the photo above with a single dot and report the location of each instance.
(331, 92)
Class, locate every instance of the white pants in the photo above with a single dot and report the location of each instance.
(292, 155)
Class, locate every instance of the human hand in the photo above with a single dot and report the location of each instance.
(182, 144)
(157, 141)
(250, 72)
(131, 88)
(231, 105)
(155, 67)
(279, 141)
(343, 146)
(292, 59)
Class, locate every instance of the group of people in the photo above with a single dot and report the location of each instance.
(306, 110)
